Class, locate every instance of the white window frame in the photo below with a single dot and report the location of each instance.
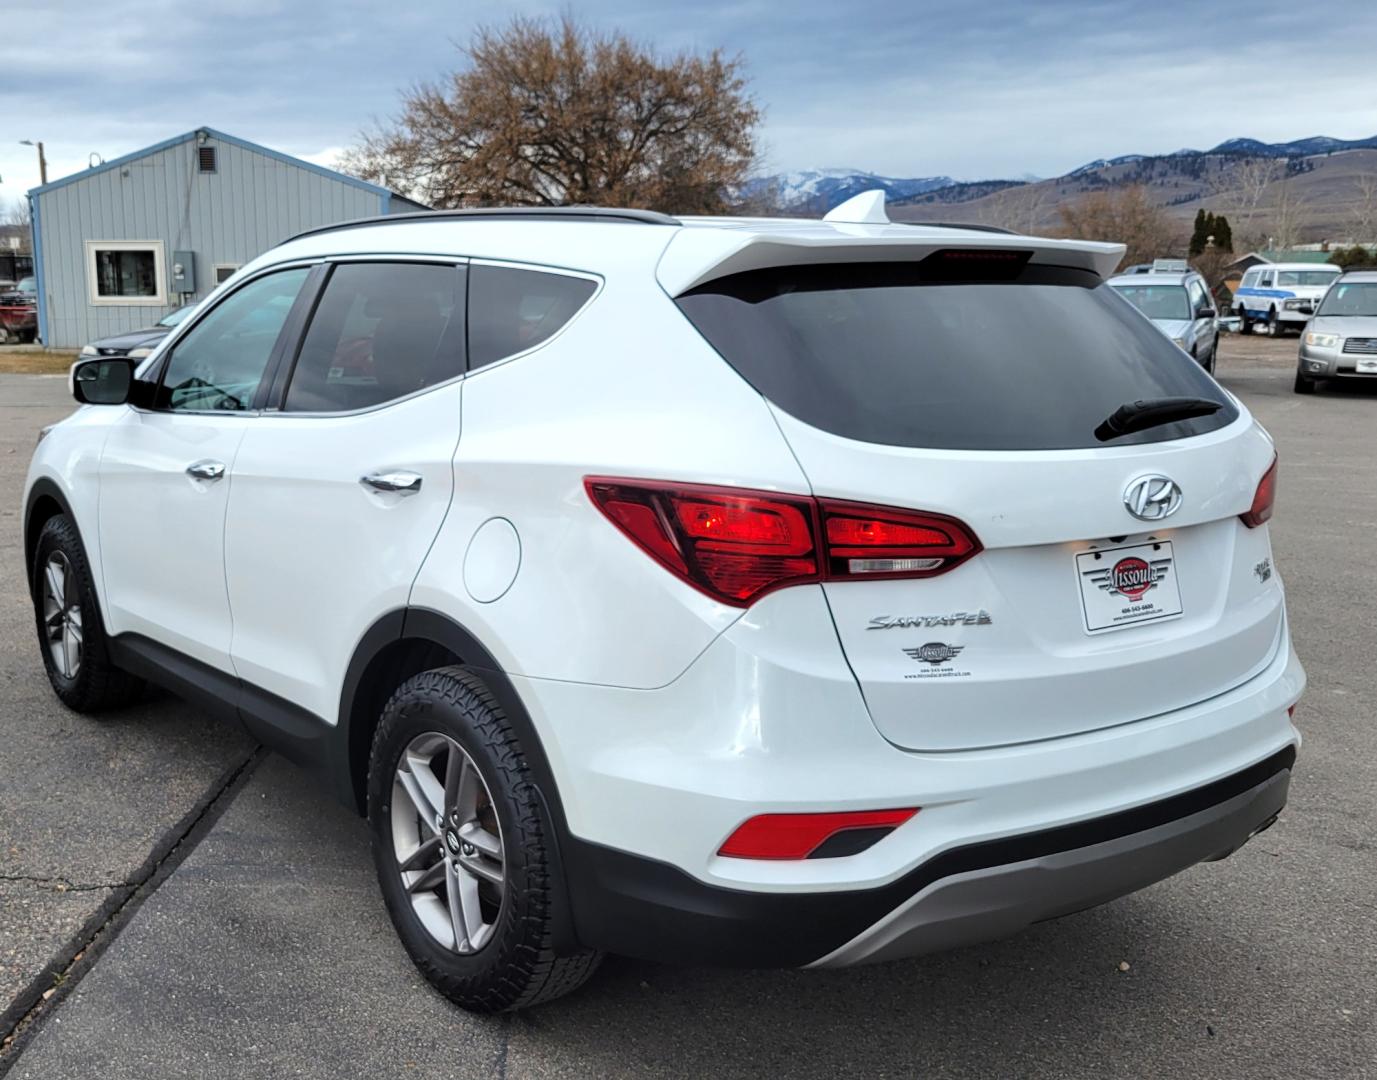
(215, 269)
(159, 273)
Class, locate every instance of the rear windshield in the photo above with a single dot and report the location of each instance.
(1306, 277)
(893, 353)
(1157, 301)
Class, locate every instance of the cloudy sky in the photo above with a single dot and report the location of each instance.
(916, 88)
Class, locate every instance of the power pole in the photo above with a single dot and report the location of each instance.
(42, 161)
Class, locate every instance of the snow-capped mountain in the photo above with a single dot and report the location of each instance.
(822, 189)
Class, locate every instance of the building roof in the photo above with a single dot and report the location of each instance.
(1274, 255)
(219, 136)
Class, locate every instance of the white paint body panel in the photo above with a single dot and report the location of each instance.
(312, 557)
(162, 532)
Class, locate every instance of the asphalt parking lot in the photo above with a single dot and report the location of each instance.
(197, 908)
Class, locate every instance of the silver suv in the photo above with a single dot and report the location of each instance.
(1341, 340)
(1179, 305)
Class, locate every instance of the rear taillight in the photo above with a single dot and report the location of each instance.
(806, 836)
(1265, 496)
(737, 545)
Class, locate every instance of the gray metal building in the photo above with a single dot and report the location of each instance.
(118, 246)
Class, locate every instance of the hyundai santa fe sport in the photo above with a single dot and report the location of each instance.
(710, 591)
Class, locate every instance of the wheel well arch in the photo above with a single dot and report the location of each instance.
(45, 502)
(404, 643)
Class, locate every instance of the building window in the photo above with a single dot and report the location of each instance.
(205, 158)
(129, 272)
(224, 271)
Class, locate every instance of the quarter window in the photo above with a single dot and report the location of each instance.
(513, 310)
(220, 362)
(380, 332)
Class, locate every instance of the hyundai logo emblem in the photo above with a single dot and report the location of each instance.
(1151, 498)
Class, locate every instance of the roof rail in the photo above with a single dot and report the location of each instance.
(604, 214)
(963, 225)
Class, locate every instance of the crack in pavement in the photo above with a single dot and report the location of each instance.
(61, 884)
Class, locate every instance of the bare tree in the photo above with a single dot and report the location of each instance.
(544, 114)
(1363, 215)
(1289, 217)
(17, 213)
(1242, 188)
(1126, 216)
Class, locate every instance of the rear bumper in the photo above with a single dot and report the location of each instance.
(639, 907)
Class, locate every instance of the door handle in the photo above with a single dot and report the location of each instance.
(402, 483)
(206, 470)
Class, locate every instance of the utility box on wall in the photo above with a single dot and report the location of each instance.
(183, 276)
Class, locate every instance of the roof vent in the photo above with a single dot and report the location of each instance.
(867, 208)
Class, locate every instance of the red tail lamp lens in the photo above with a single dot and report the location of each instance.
(796, 836)
(1266, 495)
(736, 545)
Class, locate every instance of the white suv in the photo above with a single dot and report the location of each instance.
(744, 592)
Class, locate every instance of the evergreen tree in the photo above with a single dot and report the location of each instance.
(1198, 235)
(1223, 234)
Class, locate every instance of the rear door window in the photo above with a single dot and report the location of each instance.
(381, 331)
(892, 353)
(512, 310)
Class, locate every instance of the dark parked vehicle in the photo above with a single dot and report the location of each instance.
(138, 343)
(19, 313)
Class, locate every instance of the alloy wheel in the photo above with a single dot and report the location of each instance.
(62, 615)
(448, 842)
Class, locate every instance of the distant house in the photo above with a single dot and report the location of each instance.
(120, 245)
(1271, 255)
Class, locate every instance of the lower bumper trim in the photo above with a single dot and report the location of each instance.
(1000, 900)
(640, 907)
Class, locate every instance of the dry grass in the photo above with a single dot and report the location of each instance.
(34, 362)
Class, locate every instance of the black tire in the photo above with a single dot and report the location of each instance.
(517, 966)
(1274, 327)
(1245, 323)
(1304, 383)
(26, 337)
(96, 684)
(1213, 358)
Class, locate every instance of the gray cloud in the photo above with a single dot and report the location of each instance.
(1000, 88)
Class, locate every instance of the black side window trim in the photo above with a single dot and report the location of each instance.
(274, 357)
(285, 364)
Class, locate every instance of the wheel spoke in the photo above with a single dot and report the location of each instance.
(471, 908)
(422, 856)
(425, 809)
(71, 652)
(466, 790)
(74, 624)
(483, 840)
(56, 579)
(478, 867)
(431, 878)
(457, 918)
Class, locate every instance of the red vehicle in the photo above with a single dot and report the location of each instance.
(19, 314)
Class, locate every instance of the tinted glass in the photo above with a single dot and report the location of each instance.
(175, 318)
(514, 310)
(884, 354)
(1306, 277)
(1350, 298)
(381, 331)
(219, 363)
(1157, 301)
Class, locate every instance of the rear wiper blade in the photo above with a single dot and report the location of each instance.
(1153, 412)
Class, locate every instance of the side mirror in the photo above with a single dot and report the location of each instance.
(103, 380)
